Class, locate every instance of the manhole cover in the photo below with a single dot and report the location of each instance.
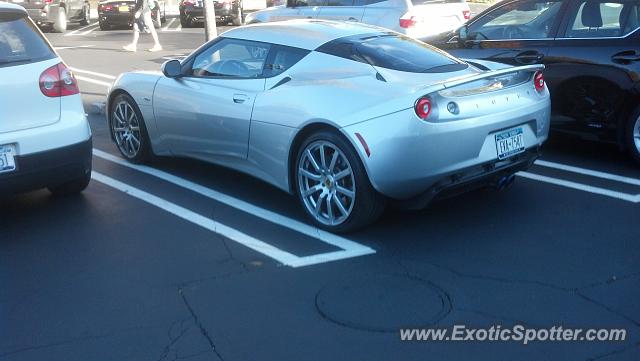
(383, 303)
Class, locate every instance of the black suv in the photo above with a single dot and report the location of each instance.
(591, 50)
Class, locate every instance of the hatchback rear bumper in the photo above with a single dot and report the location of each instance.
(48, 168)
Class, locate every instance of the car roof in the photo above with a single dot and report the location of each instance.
(300, 33)
(11, 8)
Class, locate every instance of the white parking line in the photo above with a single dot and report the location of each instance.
(166, 29)
(73, 47)
(589, 172)
(90, 80)
(75, 32)
(101, 75)
(204, 222)
(349, 248)
(168, 24)
(582, 187)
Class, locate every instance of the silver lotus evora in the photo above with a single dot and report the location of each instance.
(348, 117)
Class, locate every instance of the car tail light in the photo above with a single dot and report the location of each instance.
(538, 81)
(106, 7)
(408, 22)
(58, 81)
(466, 14)
(423, 108)
(47, 2)
(188, 3)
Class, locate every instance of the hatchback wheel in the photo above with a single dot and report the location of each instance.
(633, 135)
(333, 186)
(128, 130)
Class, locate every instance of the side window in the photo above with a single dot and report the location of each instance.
(231, 58)
(300, 3)
(528, 19)
(601, 19)
(282, 58)
(340, 3)
(367, 2)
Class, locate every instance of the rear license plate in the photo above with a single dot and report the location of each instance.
(510, 142)
(7, 161)
(123, 9)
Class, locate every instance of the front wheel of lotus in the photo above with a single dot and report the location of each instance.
(332, 184)
(128, 129)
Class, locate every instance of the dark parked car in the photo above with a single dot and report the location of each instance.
(56, 14)
(192, 12)
(591, 49)
(113, 13)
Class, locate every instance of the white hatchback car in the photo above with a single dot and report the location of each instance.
(414, 18)
(45, 139)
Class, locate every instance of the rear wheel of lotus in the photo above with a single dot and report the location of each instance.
(633, 135)
(128, 130)
(333, 186)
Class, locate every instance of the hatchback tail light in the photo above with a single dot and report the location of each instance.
(106, 7)
(47, 2)
(538, 81)
(423, 108)
(408, 22)
(58, 81)
(466, 14)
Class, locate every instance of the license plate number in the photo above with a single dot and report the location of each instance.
(7, 160)
(510, 142)
(123, 9)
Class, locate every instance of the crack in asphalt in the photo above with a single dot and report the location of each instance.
(173, 340)
(198, 323)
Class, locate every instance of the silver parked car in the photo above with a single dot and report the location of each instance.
(56, 14)
(345, 116)
(415, 18)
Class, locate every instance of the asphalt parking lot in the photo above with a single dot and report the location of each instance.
(184, 260)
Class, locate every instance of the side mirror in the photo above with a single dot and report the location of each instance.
(172, 68)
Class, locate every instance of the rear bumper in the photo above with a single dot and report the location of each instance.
(488, 174)
(116, 18)
(48, 168)
(409, 157)
(197, 13)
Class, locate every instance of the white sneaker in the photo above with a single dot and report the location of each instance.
(129, 47)
(156, 48)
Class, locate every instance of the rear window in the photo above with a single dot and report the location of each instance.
(393, 51)
(21, 42)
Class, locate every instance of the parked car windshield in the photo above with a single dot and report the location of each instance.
(393, 51)
(21, 42)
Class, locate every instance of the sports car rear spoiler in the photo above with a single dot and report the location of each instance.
(492, 73)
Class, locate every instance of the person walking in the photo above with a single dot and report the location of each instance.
(143, 20)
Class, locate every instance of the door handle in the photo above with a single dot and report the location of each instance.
(625, 57)
(240, 98)
(529, 57)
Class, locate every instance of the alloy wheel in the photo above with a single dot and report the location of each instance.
(125, 127)
(326, 183)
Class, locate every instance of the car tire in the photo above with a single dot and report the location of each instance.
(60, 25)
(104, 26)
(237, 20)
(86, 15)
(127, 131)
(350, 202)
(632, 134)
(74, 186)
(157, 20)
(184, 22)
